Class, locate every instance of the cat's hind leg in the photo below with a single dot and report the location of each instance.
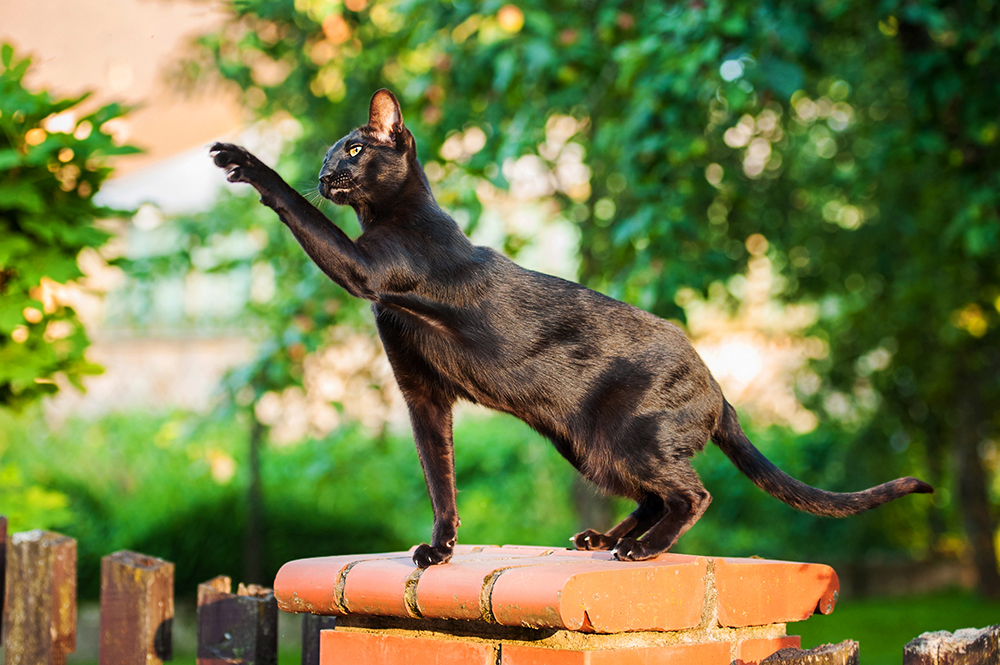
(685, 501)
(649, 511)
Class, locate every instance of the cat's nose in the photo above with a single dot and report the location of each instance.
(326, 174)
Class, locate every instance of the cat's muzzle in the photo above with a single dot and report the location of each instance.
(335, 183)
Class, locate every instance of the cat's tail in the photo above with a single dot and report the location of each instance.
(729, 436)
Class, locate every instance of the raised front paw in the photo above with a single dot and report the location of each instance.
(632, 549)
(426, 555)
(591, 540)
(238, 162)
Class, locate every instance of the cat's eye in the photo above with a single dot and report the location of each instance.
(353, 152)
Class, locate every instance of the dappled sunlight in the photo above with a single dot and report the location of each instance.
(758, 353)
(349, 380)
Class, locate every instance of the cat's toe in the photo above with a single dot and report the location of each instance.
(233, 159)
(223, 154)
(590, 540)
(632, 549)
(426, 555)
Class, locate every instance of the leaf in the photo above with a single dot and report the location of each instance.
(20, 196)
(785, 78)
(11, 307)
(9, 158)
(505, 65)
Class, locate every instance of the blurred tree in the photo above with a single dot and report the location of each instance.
(51, 165)
(850, 144)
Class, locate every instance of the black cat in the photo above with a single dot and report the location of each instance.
(621, 393)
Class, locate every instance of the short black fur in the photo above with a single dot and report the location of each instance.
(621, 393)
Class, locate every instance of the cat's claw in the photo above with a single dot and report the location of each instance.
(234, 159)
(426, 555)
(632, 549)
(591, 540)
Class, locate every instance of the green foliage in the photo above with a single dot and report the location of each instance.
(29, 506)
(176, 491)
(51, 165)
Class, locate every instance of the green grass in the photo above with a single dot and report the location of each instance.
(882, 626)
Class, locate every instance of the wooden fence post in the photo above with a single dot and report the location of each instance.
(967, 646)
(3, 572)
(137, 609)
(843, 653)
(311, 625)
(40, 621)
(240, 628)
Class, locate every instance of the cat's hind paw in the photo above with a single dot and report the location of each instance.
(591, 540)
(632, 549)
(426, 555)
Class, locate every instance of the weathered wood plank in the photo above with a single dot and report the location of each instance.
(240, 628)
(137, 609)
(844, 653)
(312, 624)
(965, 647)
(40, 621)
(3, 570)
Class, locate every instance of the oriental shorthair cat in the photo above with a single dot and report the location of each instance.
(621, 393)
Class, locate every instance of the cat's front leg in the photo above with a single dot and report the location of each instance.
(329, 247)
(432, 433)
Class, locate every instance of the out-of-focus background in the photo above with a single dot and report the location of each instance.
(812, 191)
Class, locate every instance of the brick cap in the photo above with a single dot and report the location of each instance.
(563, 589)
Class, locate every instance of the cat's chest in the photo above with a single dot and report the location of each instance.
(454, 347)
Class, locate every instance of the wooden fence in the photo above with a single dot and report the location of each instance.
(38, 586)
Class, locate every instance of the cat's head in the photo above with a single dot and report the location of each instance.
(375, 164)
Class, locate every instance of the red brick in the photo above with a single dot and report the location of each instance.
(338, 647)
(714, 653)
(454, 591)
(602, 596)
(600, 555)
(525, 550)
(307, 585)
(757, 592)
(378, 587)
(557, 588)
(751, 652)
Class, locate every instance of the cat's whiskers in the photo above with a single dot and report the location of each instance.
(313, 195)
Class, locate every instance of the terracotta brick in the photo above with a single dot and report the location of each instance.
(599, 555)
(464, 549)
(757, 592)
(751, 652)
(454, 591)
(307, 585)
(338, 647)
(557, 588)
(525, 550)
(602, 596)
(715, 653)
(378, 587)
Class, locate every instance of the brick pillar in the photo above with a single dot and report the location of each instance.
(538, 606)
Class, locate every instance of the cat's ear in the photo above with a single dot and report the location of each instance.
(384, 117)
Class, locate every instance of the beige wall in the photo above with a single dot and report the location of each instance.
(123, 49)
